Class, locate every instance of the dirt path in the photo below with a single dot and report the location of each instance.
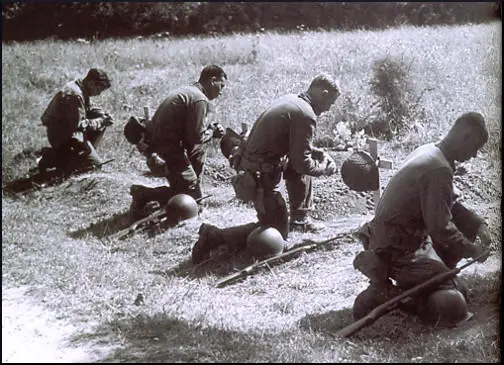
(31, 333)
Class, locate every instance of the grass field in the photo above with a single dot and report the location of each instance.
(53, 241)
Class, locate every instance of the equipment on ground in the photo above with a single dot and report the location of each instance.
(393, 303)
(52, 177)
(182, 207)
(161, 218)
(360, 172)
(264, 242)
(249, 270)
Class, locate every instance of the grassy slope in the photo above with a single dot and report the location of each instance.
(48, 242)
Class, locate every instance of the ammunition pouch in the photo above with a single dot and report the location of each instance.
(244, 185)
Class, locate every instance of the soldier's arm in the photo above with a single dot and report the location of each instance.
(300, 147)
(436, 194)
(196, 132)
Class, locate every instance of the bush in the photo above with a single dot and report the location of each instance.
(23, 21)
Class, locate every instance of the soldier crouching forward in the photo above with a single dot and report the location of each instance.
(74, 127)
(284, 130)
(421, 230)
(173, 141)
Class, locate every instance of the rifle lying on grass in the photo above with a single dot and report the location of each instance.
(50, 178)
(243, 273)
(154, 219)
(393, 303)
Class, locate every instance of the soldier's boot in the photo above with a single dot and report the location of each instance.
(211, 237)
(146, 200)
(376, 294)
(306, 225)
(47, 160)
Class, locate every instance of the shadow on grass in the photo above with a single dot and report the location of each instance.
(121, 222)
(222, 262)
(161, 338)
(105, 227)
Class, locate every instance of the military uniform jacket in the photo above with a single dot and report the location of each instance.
(286, 128)
(178, 123)
(66, 113)
(419, 202)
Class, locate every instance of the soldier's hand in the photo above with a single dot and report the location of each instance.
(330, 167)
(480, 251)
(218, 130)
(484, 235)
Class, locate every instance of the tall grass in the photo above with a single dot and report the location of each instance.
(459, 66)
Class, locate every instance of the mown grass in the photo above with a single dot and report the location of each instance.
(51, 240)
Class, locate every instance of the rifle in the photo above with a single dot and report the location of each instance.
(50, 178)
(241, 274)
(392, 304)
(152, 219)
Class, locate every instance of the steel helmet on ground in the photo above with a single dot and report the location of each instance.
(133, 130)
(359, 172)
(445, 307)
(181, 207)
(265, 242)
(229, 141)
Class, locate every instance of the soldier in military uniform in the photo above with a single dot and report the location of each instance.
(174, 140)
(284, 130)
(74, 127)
(420, 229)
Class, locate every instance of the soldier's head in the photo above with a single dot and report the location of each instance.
(323, 92)
(96, 81)
(467, 135)
(213, 79)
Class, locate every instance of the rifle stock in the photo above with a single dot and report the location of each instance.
(152, 218)
(390, 305)
(257, 265)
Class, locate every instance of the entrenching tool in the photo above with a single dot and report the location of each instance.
(154, 220)
(393, 303)
(243, 273)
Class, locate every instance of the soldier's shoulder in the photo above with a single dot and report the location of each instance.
(300, 104)
(71, 89)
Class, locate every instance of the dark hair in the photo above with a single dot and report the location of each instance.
(98, 75)
(211, 71)
(475, 122)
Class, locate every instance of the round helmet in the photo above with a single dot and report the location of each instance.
(182, 207)
(133, 130)
(229, 141)
(446, 307)
(359, 172)
(265, 242)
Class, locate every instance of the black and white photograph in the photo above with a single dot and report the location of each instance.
(251, 182)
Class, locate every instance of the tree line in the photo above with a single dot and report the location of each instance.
(33, 20)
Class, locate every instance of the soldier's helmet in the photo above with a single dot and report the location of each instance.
(229, 141)
(359, 172)
(133, 130)
(181, 207)
(446, 308)
(265, 242)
